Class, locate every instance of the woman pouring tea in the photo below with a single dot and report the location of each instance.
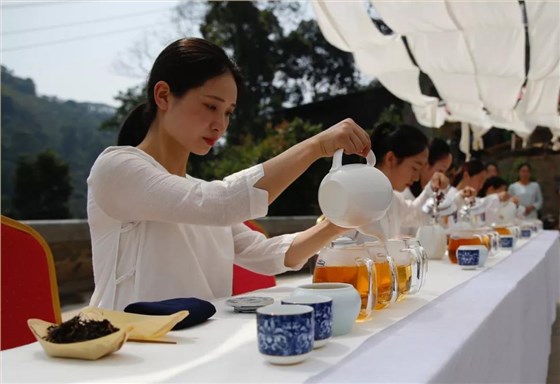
(159, 233)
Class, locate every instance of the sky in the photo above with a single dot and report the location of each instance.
(87, 50)
(76, 49)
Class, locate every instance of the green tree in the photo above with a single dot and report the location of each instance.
(311, 67)
(42, 188)
(281, 67)
(301, 197)
(249, 34)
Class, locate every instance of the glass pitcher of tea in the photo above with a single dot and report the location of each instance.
(344, 261)
(410, 265)
(462, 237)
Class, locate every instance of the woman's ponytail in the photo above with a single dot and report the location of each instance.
(135, 127)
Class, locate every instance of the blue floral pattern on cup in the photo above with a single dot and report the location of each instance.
(468, 257)
(323, 318)
(285, 335)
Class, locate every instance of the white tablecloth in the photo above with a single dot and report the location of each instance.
(464, 326)
(496, 328)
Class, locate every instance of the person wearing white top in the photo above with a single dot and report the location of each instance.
(401, 153)
(439, 160)
(158, 233)
(501, 208)
(528, 192)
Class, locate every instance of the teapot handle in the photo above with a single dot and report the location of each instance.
(337, 159)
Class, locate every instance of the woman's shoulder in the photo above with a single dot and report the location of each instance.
(115, 155)
(118, 161)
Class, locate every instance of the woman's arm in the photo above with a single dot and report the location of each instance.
(280, 253)
(282, 170)
(129, 186)
(538, 197)
(310, 241)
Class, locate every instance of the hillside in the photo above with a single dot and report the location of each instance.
(31, 124)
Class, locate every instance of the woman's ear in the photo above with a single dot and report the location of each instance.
(161, 95)
(390, 159)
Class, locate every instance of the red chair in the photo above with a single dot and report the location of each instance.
(29, 287)
(247, 281)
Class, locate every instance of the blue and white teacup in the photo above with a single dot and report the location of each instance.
(322, 307)
(285, 332)
(507, 242)
(526, 231)
(471, 256)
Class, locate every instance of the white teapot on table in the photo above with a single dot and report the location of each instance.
(354, 195)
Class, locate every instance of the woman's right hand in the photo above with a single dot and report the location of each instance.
(439, 182)
(346, 135)
(468, 192)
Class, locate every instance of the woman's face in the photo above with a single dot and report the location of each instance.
(475, 181)
(201, 116)
(441, 165)
(524, 173)
(491, 170)
(402, 174)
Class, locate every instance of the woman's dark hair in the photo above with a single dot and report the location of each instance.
(439, 149)
(494, 182)
(521, 166)
(488, 164)
(524, 165)
(403, 140)
(184, 64)
(473, 167)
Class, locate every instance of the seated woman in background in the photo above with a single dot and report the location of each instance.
(470, 179)
(469, 182)
(495, 185)
(401, 153)
(439, 160)
(158, 233)
(528, 192)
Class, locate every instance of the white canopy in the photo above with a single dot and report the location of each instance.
(473, 51)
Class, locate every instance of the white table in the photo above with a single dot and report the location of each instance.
(494, 326)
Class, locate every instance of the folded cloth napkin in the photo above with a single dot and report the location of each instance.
(199, 310)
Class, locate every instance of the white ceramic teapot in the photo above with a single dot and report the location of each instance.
(434, 240)
(354, 195)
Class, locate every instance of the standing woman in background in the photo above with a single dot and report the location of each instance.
(528, 192)
(158, 233)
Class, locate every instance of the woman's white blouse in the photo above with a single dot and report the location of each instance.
(159, 236)
(528, 195)
(401, 214)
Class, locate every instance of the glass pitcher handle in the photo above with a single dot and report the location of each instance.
(372, 282)
(394, 279)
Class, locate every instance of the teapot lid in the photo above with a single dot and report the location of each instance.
(343, 242)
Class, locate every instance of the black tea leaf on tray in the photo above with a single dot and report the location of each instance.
(78, 329)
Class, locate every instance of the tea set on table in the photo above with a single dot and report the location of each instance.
(351, 280)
